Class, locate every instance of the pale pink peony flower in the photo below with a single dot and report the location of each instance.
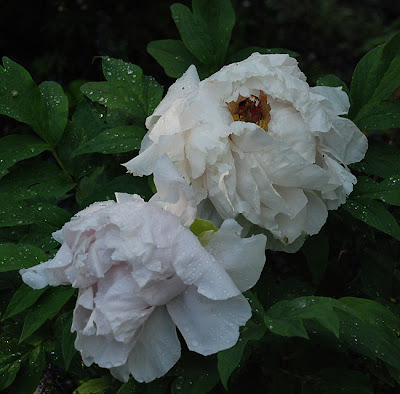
(254, 140)
(141, 274)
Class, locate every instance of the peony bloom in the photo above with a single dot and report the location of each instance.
(141, 273)
(255, 140)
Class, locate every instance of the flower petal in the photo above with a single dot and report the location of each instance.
(157, 348)
(103, 350)
(182, 87)
(195, 266)
(335, 97)
(50, 272)
(242, 258)
(208, 326)
(173, 192)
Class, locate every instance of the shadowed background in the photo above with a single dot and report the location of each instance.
(57, 39)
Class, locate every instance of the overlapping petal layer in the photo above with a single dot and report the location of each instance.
(281, 172)
(141, 274)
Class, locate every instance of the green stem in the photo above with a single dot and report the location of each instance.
(60, 163)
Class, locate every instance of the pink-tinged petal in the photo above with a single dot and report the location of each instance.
(208, 326)
(104, 350)
(157, 348)
(51, 272)
(242, 258)
(119, 302)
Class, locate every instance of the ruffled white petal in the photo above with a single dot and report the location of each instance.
(336, 98)
(240, 168)
(183, 86)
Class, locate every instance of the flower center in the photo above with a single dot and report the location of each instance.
(251, 109)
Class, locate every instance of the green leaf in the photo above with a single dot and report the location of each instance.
(195, 36)
(133, 387)
(18, 213)
(391, 50)
(12, 355)
(152, 93)
(46, 308)
(244, 53)
(87, 122)
(67, 343)
(332, 80)
(174, 57)
(36, 179)
(99, 187)
(218, 17)
(387, 191)
(198, 375)
(229, 359)
(8, 372)
(14, 257)
(93, 386)
(31, 372)
(45, 108)
(286, 317)
(338, 380)
(19, 94)
(14, 148)
(377, 275)
(116, 70)
(207, 31)
(362, 325)
(55, 112)
(126, 89)
(74, 93)
(40, 235)
(389, 82)
(374, 214)
(22, 299)
(316, 250)
(366, 77)
(370, 329)
(375, 78)
(379, 116)
(116, 140)
(381, 159)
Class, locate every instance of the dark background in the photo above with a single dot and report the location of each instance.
(57, 39)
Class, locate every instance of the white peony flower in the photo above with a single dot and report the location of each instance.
(255, 140)
(141, 274)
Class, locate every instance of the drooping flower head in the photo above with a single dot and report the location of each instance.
(254, 140)
(141, 274)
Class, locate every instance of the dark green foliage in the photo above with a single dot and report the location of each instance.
(325, 319)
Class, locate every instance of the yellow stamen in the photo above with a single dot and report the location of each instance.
(251, 109)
